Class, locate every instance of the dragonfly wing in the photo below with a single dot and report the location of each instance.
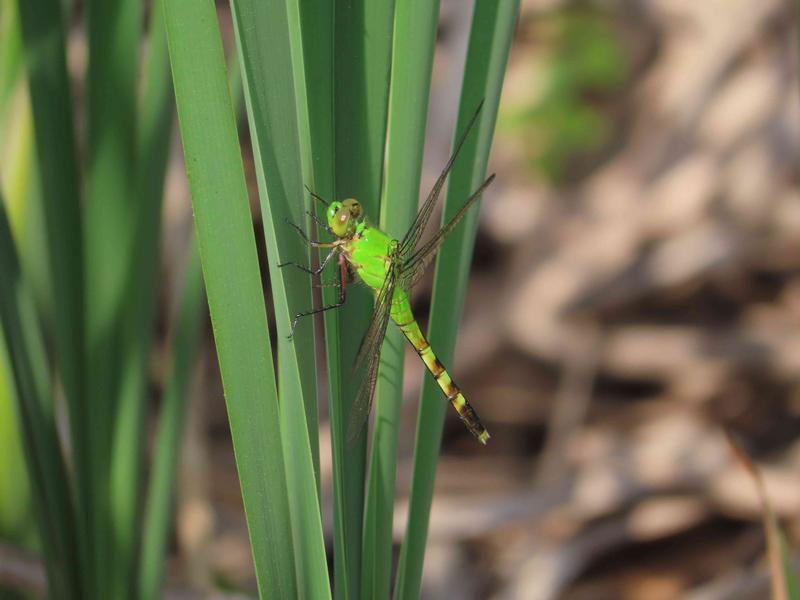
(414, 266)
(369, 356)
(380, 312)
(418, 226)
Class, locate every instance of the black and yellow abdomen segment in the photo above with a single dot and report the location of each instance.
(408, 325)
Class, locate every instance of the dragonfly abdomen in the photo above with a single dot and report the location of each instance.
(408, 325)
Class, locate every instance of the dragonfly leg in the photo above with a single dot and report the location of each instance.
(342, 296)
(315, 243)
(320, 222)
(316, 196)
(317, 271)
(330, 284)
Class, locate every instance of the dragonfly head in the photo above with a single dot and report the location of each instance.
(344, 216)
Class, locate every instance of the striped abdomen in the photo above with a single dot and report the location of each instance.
(401, 314)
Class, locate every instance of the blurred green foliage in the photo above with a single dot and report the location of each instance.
(16, 133)
(16, 519)
(582, 62)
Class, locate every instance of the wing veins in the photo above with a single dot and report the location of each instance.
(414, 266)
(370, 351)
(423, 216)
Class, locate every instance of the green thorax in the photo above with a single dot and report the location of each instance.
(369, 251)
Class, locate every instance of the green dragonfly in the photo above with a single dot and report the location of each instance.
(390, 268)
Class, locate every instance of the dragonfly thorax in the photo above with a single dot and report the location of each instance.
(344, 216)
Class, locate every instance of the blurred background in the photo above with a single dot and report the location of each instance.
(635, 292)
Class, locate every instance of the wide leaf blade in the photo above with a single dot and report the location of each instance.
(233, 286)
(264, 44)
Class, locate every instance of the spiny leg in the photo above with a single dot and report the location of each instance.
(316, 196)
(342, 296)
(329, 284)
(320, 222)
(314, 243)
(317, 271)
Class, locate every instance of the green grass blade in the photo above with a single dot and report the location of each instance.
(10, 55)
(362, 51)
(310, 41)
(16, 523)
(294, 17)
(264, 44)
(363, 38)
(50, 95)
(311, 30)
(16, 156)
(190, 316)
(790, 576)
(153, 141)
(24, 195)
(487, 54)
(233, 286)
(16, 153)
(17, 165)
(264, 50)
(235, 83)
(414, 41)
(23, 201)
(26, 356)
(45, 61)
(114, 29)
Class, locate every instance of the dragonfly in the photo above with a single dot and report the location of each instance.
(390, 268)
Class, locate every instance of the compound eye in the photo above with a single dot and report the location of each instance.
(353, 207)
(333, 209)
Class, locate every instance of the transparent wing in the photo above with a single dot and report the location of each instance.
(414, 266)
(369, 356)
(418, 226)
(381, 310)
